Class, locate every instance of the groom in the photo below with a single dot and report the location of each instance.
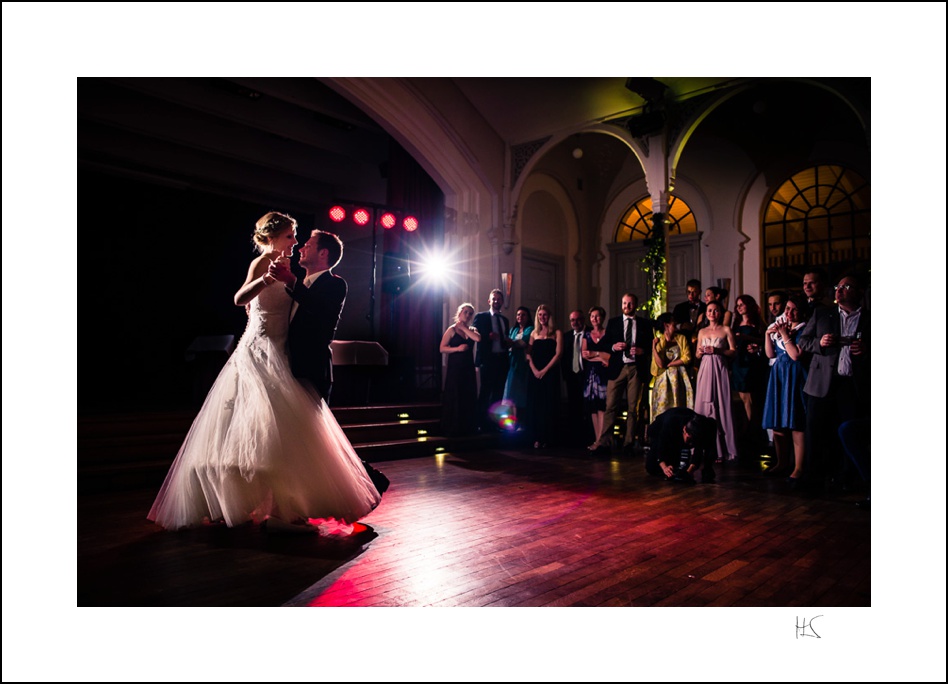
(318, 300)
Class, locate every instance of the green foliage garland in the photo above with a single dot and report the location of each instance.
(654, 264)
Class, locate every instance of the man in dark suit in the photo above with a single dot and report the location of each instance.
(838, 381)
(579, 425)
(814, 282)
(318, 300)
(630, 338)
(686, 314)
(491, 356)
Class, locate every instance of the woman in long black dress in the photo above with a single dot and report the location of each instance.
(749, 371)
(544, 352)
(460, 384)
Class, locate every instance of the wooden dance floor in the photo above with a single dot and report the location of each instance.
(501, 527)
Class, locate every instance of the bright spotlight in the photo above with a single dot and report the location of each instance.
(337, 214)
(410, 223)
(434, 267)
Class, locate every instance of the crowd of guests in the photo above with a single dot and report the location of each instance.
(789, 383)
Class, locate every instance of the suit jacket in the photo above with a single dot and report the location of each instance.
(665, 435)
(482, 323)
(313, 328)
(615, 332)
(819, 302)
(682, 312)
(825, 320)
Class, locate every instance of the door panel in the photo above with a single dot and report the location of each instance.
(540, 284)
(684, 263)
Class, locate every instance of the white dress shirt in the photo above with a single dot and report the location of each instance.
(848, 322)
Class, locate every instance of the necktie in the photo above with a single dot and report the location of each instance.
(577, 352)
(628, 335)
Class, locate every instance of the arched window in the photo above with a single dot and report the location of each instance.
(820, 217)
(636, 223)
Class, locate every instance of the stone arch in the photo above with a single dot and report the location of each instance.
(472, 190)
(604, 129)
(691, 124)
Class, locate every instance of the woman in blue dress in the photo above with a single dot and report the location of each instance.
(515, 391)
(784, 407)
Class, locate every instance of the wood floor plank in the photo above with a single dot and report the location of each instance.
(502, 527)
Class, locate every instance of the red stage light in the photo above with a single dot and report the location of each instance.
(410, 223)
(388, 220)
(337, 214)
(361, 216)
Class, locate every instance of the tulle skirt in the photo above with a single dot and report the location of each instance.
(263, 445)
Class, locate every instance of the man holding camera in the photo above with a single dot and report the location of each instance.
(680, 442)
(837, 385)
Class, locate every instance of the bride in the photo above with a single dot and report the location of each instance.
(263, 446)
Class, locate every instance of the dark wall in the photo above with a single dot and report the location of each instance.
(159, 267)
(162, 271)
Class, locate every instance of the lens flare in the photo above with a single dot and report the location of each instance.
(504, 413)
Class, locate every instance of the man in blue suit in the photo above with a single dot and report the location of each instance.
(630, 339)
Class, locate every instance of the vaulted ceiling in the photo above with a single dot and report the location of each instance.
(297, 142)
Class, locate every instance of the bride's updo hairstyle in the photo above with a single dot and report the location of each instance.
(269, 225)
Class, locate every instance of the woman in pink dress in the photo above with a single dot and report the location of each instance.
(716, 347)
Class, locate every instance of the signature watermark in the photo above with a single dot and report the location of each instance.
(803, 626)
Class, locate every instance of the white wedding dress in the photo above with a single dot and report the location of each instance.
(262, 444)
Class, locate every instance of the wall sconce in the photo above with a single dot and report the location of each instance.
(506, 283)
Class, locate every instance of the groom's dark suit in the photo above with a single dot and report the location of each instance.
(313, 328)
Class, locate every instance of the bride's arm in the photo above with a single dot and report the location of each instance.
(257, 280)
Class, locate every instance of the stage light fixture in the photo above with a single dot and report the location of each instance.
(388, 220)
(410, 223)
(361, 216)
(337, 214)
